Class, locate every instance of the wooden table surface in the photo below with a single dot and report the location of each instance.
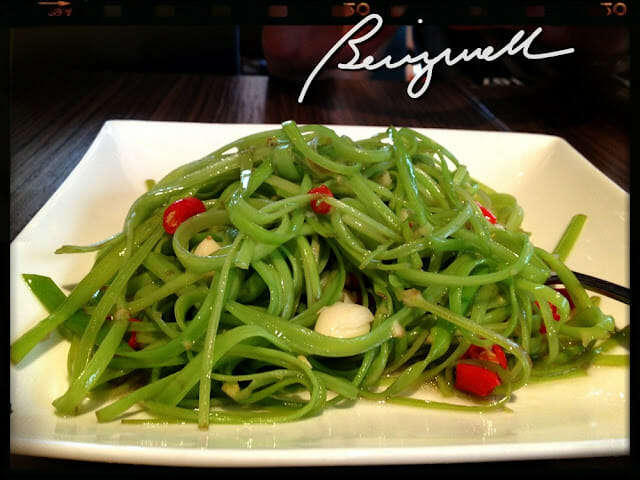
(53, 122)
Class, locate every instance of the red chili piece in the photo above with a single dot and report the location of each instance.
(475, 378)
(566, 295)
(554, 309)
(133, 343)
(487, 213)
(554, 313)
(495, 355)
(317, 205)
(179, 211)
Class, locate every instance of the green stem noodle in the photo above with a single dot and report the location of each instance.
(230, 337)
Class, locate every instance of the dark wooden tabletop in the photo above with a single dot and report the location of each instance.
(54, 120)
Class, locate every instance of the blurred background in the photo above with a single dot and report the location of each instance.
(75, 64)
(600, 66)
(569, 88)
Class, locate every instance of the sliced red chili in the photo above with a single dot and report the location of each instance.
(476, 379)
(495, 355)
(317, 205)
(566, 295)
(488, 214)
(179, 211)
(133, 342)
(554, 309)
(554, 313)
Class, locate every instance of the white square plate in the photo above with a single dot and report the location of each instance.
(583, 416)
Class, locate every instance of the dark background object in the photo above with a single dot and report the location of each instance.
(39, 51)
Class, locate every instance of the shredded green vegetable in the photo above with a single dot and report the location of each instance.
(230, 337)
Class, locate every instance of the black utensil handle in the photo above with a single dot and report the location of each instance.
(595, 284)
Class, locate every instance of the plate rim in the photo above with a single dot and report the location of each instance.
(235, 457)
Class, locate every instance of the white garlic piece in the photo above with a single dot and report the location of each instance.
(344, 320)
(206, 247)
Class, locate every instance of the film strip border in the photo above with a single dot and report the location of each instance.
(471, 12)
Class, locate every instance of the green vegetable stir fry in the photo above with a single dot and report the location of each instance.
(295, 269)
